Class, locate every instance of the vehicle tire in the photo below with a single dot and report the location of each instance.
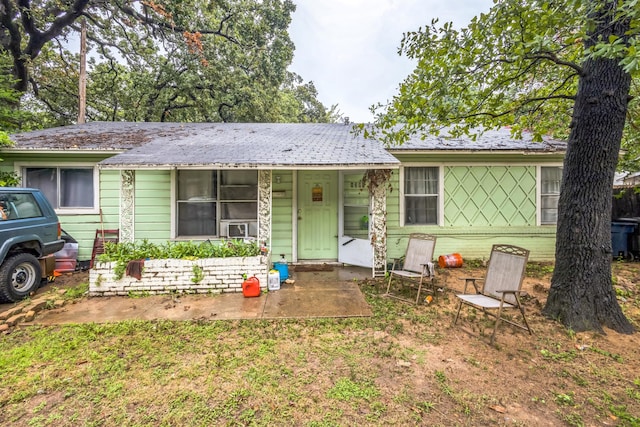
(19, 276)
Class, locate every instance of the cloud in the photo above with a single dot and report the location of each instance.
(348, 48)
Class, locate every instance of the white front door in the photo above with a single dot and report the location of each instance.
(354, 244)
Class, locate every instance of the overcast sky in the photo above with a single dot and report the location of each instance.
(348, 48)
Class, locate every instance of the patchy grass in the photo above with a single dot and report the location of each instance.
(406, 365)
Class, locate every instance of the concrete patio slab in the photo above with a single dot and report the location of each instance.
(313, 294)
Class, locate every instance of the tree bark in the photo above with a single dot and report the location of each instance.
(582, 295)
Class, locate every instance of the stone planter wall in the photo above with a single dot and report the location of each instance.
(162, 276)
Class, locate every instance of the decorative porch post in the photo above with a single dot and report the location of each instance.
(127, 205)
(378, 182)
(264, 207)
(379, 230)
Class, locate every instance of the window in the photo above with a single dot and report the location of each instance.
(421, 195)
(64, 187)
(217, 203)
(18, 206)
(550, 178)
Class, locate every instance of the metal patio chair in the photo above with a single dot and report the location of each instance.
(502, 286)
(415, 267)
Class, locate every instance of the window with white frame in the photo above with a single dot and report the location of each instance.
(421, 195)
(66, 188)
(550, 179)
(217, 203)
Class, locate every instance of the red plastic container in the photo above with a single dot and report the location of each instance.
(251, 287)
(450, 261)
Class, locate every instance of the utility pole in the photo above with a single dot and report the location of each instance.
(82, 81)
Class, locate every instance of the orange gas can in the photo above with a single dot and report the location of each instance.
(251, 287)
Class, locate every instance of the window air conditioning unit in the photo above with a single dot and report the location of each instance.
(234, 229)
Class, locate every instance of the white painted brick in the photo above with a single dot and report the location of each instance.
(163, 276)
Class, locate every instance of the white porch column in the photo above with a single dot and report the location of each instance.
(127, 205)
(264, 207)
(379, 227)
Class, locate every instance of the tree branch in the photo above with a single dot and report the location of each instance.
(513, 110)
(178, 29)
(14, 46)
(553, 58)
(37, 38)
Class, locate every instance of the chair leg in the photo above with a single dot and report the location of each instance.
(458, 313)
(521, 308)
(495, 326)
(389, 282)
(419, 289)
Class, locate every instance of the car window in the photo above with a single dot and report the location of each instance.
(18, 206)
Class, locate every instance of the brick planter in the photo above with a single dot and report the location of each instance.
(163, 276)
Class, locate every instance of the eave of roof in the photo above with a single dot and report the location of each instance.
(110, 152)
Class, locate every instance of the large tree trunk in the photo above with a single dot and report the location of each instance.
(582, 295)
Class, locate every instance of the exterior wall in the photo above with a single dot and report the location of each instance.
(152, 205)
(164, 276)
(83, 227)
(484, 203)
(488, 198)
(282, 216)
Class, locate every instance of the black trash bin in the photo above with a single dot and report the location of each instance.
(620, 236)
(633, 239)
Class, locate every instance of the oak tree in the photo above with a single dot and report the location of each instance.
(563, 68)
(187, 60)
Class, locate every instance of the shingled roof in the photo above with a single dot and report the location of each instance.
(248, 145)
(96, 136)
(259, 145)
(488, 140)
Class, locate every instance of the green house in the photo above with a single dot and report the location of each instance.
(312, 192)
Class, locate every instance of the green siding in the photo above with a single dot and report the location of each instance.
(282, 214)
(483, 205)
(83, 227)
(476, 245)
(499, 196)
(153, 205)
(488, 198)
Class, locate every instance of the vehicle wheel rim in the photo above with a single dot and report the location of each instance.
(23, 277)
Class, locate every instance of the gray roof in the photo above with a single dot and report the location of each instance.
(267, 145)
(95, 136)
(489, 140)
(249, 145)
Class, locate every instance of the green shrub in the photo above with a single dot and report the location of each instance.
(128, 251)
(123, 252)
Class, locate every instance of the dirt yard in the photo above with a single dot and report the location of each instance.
(424, 370)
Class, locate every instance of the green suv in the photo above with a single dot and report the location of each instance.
(29, 231)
